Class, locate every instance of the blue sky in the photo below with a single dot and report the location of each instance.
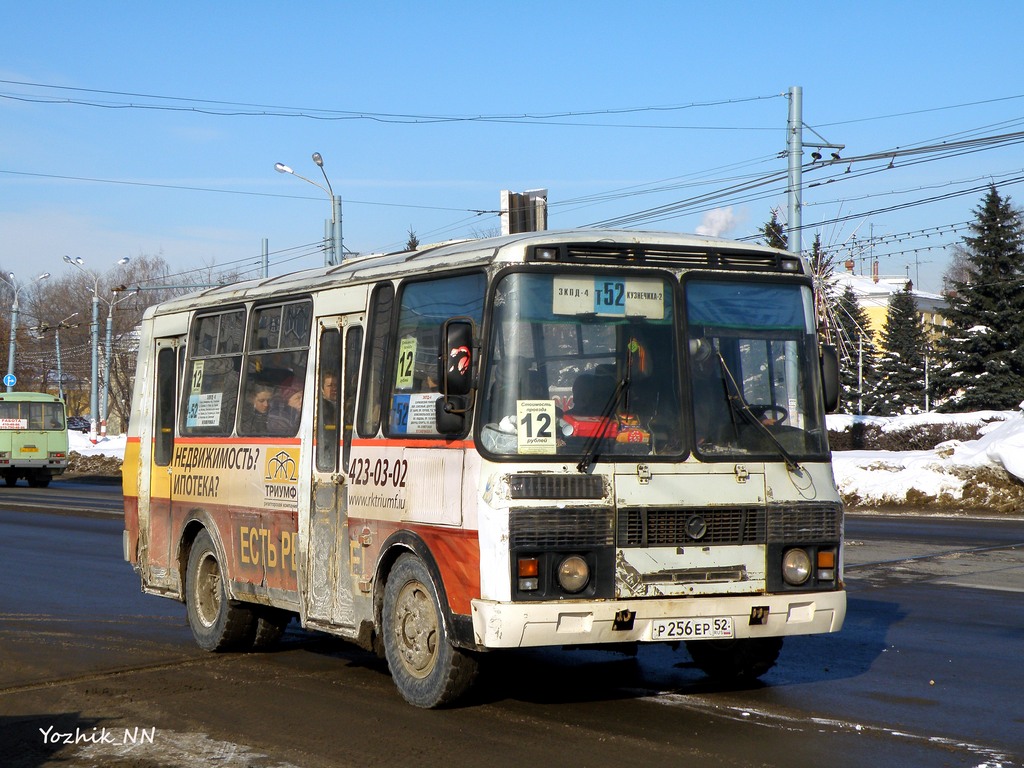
(153, 128)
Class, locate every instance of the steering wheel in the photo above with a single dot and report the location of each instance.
(770, 414)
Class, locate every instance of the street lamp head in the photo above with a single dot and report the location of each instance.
(11, 275)
(282, 168)
(318, 159)
(123, 260)
(43, 276)
(77, 260)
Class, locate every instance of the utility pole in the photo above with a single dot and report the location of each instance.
(795, 154)
(794, 151)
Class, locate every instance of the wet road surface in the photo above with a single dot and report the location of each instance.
(926, 672)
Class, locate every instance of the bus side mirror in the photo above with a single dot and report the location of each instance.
(830, 377)
(451, 415)
(455, 373)
(456, 358)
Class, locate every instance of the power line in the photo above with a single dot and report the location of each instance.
(920, 111)
(234, 109)
(187, 188)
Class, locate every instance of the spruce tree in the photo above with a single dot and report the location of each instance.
(858, 369)
(773, 232)
(982, 362)
(412, 242)
(902, 359)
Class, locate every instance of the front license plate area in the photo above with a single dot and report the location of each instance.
(704, 628)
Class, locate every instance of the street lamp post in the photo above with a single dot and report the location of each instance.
(104, 411)
(335, 252)
(14, 323)
(56, 336)
(94, 329)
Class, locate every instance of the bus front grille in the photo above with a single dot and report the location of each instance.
(569, 527)
(804, 523)
(654, 527)
(709, 526)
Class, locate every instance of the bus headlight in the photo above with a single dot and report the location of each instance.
(573, 574)
(796, 566)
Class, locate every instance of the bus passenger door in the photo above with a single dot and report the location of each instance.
(156, 448)
(328, 586)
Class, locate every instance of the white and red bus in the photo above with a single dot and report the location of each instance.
(550, 439)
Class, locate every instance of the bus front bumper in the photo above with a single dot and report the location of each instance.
(521, 625)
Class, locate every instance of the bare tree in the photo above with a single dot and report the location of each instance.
(63, 305)
(959, 269)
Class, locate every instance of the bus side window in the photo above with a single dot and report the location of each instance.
(209, 396)
(353, 354)
(424, 307)
(327, 390)
(275, 369)
(381, 308)
(163, 427)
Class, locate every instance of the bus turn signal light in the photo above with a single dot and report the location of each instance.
(529, 570)
(826, 565)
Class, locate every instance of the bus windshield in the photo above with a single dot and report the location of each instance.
(753, 370)
(593, 364)
(582, 363)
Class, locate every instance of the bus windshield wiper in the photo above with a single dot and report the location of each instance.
(590, 447)
(739, 405)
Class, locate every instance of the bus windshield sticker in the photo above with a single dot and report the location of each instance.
(609, 297)
(203, 410)
(414, 414)
(13, 423)
(406, 358)
(197, 376)
(536, 423)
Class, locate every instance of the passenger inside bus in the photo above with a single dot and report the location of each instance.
(592, 391)
(329, 400)
(287, 410)
(327, 419)
(712, 417)
(256, 417)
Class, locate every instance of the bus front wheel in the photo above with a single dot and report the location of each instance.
(218, 623)
(737, 660)
(428, 670)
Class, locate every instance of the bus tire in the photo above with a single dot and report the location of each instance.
(217, 622)
(39, 480)
(10, 479)
(736, 660)
(427, 669)
(270, 626)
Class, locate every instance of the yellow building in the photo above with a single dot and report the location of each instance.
(873, 293)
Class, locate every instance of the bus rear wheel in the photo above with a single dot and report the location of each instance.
(428, 670)
(736, 660)
(218, 623)
(270, 626)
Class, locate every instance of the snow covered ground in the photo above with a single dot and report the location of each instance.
(113, 445)
(950, 472)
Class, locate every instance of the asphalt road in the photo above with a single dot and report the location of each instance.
(926, 672)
